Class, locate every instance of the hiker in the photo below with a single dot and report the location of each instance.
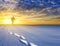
(12, 19)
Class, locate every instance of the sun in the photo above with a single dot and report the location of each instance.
(7, 21)
(6, 18)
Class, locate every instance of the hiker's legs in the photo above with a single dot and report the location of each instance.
(12, 22)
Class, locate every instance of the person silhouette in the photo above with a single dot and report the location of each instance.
(12, 19)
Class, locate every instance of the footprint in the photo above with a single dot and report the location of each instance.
(22, 37)
(11, 33)
(32, 44)
(23, 41)
(17, 35)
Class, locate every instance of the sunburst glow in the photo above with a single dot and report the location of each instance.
(21, 19)
(7, 21)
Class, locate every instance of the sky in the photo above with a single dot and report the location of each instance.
(32, 11)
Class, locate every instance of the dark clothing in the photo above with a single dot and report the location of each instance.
(12, 19)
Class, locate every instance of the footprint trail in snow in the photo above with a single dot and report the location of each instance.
(22, 39)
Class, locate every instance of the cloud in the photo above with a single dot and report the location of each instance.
(32, 8)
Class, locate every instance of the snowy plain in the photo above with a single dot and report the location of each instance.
(29, 35)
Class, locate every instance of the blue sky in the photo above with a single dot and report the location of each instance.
(39, 3)
(29, 4)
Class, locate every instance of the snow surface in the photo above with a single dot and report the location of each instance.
(29, 35)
